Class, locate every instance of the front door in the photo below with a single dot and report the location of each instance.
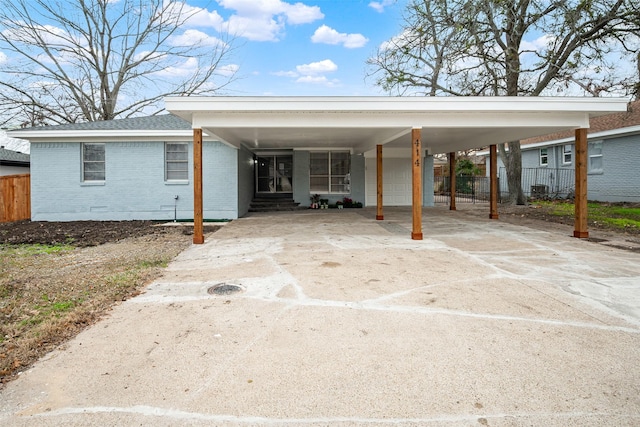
(274, 173)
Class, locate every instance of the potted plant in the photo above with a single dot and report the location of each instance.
(324, 203)
(339, 204)
(348, 203)
(315, 201)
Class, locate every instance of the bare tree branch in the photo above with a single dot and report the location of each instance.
(514, 48)
(87, 60)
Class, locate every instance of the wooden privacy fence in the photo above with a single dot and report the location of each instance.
(15, 200)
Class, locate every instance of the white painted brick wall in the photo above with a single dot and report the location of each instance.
(620, 177)
(134, 187)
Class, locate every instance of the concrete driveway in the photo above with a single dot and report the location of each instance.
(345, 321)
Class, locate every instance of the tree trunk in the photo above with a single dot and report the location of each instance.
(512, 161)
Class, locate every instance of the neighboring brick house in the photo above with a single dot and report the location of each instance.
(613, 159)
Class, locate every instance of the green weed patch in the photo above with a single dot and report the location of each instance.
(618, 217)
(35, 249)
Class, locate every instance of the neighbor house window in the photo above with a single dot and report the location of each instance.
(93, 162)
(567, 151)
(176, 161)
(595, 157)
(544, 157)
(329, 171)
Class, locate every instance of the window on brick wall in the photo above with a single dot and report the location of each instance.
(594, 152)
(567, 152)
(93, 162)
(329, 171)
(176, 161)
(544, 156)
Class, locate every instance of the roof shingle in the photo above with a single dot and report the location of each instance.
(598, 124)
(13, 156)
(160, 122)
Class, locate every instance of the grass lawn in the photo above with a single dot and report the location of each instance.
(50, 292)
(615, 216)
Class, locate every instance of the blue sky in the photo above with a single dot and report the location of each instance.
(281, 47)
(314, 47)
(308, 47)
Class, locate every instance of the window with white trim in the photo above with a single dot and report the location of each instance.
(93, 162)
(567, 154)
(176, 161)
(544, 156)
(329, 171)
(595, 157)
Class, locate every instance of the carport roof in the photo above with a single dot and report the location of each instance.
(360, 123)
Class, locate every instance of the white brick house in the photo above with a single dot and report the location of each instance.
(145, 168)
(120, 170)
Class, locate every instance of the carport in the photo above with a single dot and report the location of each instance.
(428, 125)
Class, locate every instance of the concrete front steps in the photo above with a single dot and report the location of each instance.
(273, 204)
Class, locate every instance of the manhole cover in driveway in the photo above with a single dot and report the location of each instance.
(224, 289)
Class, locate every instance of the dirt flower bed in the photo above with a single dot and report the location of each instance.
(58, 278)
(562, 212)
(558, 217)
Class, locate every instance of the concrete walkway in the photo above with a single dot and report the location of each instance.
(345, 321)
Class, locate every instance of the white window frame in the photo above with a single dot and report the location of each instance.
(184, 161)
(85, 161)
(544, 156)
(331, 175)
(567, 154)
(594, 154)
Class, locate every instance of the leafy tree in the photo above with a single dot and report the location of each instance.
(465, 167)
(511, 48)
(88, 60)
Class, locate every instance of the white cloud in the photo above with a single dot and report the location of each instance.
(291, 74)
(328, 35)
(380, 5)
(297, 13)
(48, 34)
(3, 58)
(265, 20)
(257, 20)
(195, 38)
(319, 80)
(153, 56)
(204, 18)
(538, 44)
(198, 17)
(312, 73)
(400, 40)
(227, 70)
(187, 68)
(260, 29)
(326, 66)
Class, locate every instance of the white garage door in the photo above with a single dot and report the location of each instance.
(396, 182)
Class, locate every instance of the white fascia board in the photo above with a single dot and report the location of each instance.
(182, 106)
(386, 119)
(106, 135)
